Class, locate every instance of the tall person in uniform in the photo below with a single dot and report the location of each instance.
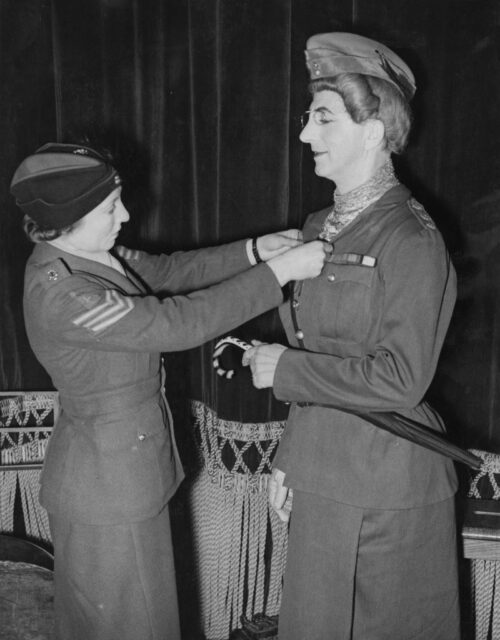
(372, 549)
(97, 320)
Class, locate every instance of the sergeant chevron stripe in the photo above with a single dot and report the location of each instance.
(102, 316)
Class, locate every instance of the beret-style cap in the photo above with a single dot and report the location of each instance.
(329, 54)
(61, 183)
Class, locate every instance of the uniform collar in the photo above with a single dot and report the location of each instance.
(45, 252)
(389, 199)
(395, 195)
(375, 211)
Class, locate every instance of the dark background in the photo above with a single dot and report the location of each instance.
(199, 101)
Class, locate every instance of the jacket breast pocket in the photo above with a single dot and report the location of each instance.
(345, 302)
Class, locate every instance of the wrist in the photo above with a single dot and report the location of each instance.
(253, 254)
(279, 269)
(255, 251)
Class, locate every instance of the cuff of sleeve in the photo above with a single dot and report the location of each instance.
(279, 388)
(288, 384)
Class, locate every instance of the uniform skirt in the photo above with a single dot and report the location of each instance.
(115, 582)
(359, 574)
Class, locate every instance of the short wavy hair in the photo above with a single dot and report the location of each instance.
(367, 97)
(36, 234)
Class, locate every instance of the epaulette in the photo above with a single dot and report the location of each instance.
(54, 271)
(421, 214)
(128, 254)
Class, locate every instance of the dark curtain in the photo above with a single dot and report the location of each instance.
(27, 115)
(199, 102)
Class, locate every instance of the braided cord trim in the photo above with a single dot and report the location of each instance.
(215, 434)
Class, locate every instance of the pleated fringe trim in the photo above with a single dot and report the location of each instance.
(491, 469)
(240, 543)
(215, 433)
(26, 422)
(36, 520)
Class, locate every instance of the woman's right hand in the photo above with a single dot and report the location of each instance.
(301, 262)
(280, 497)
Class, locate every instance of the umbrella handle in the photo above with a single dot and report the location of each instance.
(454, 452)
(220, 347)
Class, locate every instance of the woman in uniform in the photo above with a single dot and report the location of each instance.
(372, 549)
(97, 320)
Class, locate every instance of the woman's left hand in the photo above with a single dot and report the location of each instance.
(263, 360)
(275, 244)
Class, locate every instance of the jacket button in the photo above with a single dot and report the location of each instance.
(331, 277)
(141, 437)
(295, 304)
(299, 335)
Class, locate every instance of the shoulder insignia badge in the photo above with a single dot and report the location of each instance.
(420, 213)
(56, 270)
(88, 300)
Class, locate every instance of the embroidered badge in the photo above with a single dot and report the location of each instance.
(88, 300)
(105, 313)
(421, 213)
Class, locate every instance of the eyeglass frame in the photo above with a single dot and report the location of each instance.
(322, 111)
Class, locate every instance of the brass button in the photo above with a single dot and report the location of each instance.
(141, 437)
(331, 277)
(299, 335)
(295, 304)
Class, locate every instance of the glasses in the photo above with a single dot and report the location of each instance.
(318, 116)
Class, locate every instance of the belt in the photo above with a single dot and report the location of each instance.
(114, 401)
(410, 430)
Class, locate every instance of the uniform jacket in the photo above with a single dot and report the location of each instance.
(112, 456)
(374, 324)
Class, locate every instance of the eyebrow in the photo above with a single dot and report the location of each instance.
(323, 109)
(111, 203)
(117, 196)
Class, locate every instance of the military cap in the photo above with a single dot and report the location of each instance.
(61, 183)
(328, 54)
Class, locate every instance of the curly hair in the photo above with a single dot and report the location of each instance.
(37, 234)
(367, 97)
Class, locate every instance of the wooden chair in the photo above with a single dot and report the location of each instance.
(26, 590)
